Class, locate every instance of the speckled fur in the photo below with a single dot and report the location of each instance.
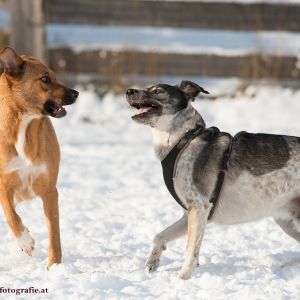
(262, 179)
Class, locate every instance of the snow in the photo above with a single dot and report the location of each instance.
(171, 40)
(113, 201)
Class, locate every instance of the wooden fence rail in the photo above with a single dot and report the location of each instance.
(131, 62)
(30, 19)
(181, 14)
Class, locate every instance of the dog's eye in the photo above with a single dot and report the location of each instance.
(158, 91)
(46, 79)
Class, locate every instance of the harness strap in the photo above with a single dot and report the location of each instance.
(218, 187)
(170, 161)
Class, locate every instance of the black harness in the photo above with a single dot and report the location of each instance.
(169, 164)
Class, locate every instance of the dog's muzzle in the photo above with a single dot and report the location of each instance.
(70, 97)
(54, 109)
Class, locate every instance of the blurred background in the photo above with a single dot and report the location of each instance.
(114, 44)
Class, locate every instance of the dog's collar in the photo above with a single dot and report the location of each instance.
(170, 161)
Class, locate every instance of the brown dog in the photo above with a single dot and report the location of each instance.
(29, 150)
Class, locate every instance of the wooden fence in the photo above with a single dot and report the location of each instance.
(30, 18)
(181, 14)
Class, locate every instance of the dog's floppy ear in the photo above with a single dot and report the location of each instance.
(191, 89)
(11, 62)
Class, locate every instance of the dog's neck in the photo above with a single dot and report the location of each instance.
(170, 128)
(13, 113)
(11, 97)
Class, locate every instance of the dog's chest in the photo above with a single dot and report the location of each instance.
(27, 169)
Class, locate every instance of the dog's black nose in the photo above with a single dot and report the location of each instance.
(130, 92)
(74, 93)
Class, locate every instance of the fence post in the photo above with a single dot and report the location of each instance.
(28, 28)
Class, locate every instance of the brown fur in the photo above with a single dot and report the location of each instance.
(22, 93)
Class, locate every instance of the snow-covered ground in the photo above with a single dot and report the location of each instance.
(113, 202)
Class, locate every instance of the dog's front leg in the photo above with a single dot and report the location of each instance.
(21, 233)
(171, 233)
(50, 204)
(197, 220)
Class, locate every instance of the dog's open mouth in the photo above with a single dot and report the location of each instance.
(53, 109)
(145, 109)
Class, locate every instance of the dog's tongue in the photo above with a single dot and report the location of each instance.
(144, 110)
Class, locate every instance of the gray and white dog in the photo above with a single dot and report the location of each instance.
(262, 178)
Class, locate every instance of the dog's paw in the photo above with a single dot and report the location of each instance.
(53, 265)
(152, 264)
(185, 274)
(187, 270)
(54, 261)
(26, 242)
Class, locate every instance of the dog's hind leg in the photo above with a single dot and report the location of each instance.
(50, 205)
(290, 227)
(291, 223)
(21, 233)
(197, 220)
(173, 232)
